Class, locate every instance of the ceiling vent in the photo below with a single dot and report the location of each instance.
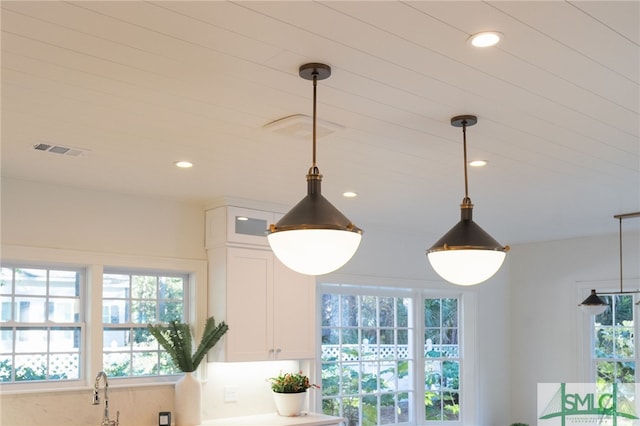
(59, 149)
(301, 126)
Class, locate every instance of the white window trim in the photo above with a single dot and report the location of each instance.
(94, 263)
(352, 284)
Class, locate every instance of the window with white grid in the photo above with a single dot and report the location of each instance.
(131, 301)
(41, 324)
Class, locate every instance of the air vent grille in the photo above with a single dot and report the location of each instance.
(59, 149)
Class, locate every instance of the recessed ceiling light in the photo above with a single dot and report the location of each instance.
(184, 164)
(485, 39)
(478, 163)
(349, 194)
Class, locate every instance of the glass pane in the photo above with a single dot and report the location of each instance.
(349, 336)
(603, 342)
(403, 407)
(5, 368)
(64, 283)
(6, 280)
(251, 226)
(144, 287)
(64, 340)
(64, 310)
(6, 340)
(171, 288)
(605, 318)
(115, 286)
(368, 311)
(623, 309)
(31, 367)
(144, 363)
(387, 314)
(349, 311)
(64, 367)
(432, 312)
(170, 311)
(31, 281)
(451, 375)
(5, 308)
(116, 364)
(387, 409)
(451, 407)
(625, 372)
(116, 339)
(403, 337)
(402, 309)
(330, 379)
(433, 406)
(449, 312)
(387, 376)
(624, 342)
(450, 336)
(115, 312)
(350, 379)
(330, 336)
(432, 375)
(387, 337)
(404, 378)
(330, 310)
(143, 312)
(30, 309)
(369, 377)
(31, 340)
(142, 339)
(369, 410)
(331, 407)
(432, 342)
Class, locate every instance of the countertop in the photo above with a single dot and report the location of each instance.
(273, 419)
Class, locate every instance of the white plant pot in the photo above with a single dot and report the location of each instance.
(290, 404)
(188, 401)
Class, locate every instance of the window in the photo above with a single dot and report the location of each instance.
(41, 324)
(614, 340)
(442, 359)
(366, 358)
(391, 356)
(129, 303)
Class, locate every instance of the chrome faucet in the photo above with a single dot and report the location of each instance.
(96, 400)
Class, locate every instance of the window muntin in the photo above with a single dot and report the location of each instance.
(130, 302)
(441, 359)
(41, 324)
(367, 358)
(614, 340)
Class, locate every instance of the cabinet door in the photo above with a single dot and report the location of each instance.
(249, 316)
(294, 315)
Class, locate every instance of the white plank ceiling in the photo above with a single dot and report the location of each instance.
(140, 85)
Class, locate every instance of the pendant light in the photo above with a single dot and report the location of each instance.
(594, 305)
(466, 255)
(314, 238)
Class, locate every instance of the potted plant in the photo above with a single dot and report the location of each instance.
(175, 338)
(290, 391)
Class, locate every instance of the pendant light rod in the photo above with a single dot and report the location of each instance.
(464, 121)
(315, 89)
(314, 72)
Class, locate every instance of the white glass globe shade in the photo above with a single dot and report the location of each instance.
(466, 267)
(314, 251)
(593, 309)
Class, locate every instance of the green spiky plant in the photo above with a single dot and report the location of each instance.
(175, 338)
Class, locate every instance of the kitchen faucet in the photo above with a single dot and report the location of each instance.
(96, 400)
